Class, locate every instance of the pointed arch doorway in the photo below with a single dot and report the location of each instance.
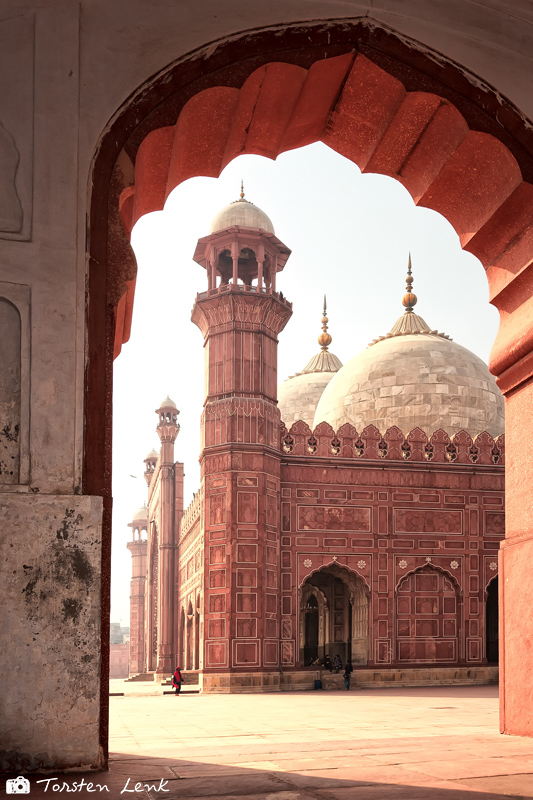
(334, 616)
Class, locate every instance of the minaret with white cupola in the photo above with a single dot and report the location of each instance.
(240, 315)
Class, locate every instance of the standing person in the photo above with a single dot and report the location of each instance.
(327, 663)
(337, 663)
(177, 680)
(348, 669)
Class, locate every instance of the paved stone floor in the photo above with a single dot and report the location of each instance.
(438, 743)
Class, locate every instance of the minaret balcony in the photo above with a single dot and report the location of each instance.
(242, 288)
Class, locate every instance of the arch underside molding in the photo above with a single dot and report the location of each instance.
(367, 115)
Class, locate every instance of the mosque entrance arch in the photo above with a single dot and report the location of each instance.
(334, 617)
(483, 186)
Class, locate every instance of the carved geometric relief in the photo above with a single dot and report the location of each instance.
(217, 554)
(217, 603)
(474, 649)
(216, 628)
(286, 628)
(286, 605)
(217, 509)
(408, 520)
(217, 654)
(246, 628)
(287, 653)
(245, 653)
(217, 578)
(270, 653)
(271, 510)
(271, 603)
(494, 523)
(426, 627)
(246, 602)
(271, 579)
(246, 577)
(247, 553)
(247, 507)
(10, 392)
(243, 481)
(334, 518)
(383, 651)
(247, 533)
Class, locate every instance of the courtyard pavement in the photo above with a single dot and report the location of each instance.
(438, 743)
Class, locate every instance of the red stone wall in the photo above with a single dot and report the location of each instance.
(119, 657)
(414, 532)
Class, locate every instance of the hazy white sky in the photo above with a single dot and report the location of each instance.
(350, 236)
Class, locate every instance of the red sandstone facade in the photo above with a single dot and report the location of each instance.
(300, 543)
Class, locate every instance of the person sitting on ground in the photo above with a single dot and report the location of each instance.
(348, 669)
(177, 680)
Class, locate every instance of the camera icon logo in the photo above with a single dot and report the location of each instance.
(18, 786)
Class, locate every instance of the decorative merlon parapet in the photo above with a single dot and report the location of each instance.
(436, 448)
(191, 514)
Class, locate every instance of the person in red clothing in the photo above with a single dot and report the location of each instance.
(177, 680)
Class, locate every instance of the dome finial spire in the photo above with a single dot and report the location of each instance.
(409, 299)
(325, 339)
(242, 189)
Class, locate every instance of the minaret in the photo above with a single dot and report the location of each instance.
(138, 548)
(150, 462)
(167, 429)
(240, 316)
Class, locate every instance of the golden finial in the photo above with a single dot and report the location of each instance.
(242, 189)
(325, 339)
(409, 299)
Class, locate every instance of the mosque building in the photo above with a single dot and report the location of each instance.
(354, 510)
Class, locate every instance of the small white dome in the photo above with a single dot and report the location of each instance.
(152, 454)
(241, 213)
(141, 515)
(168, 403)
(414, 380)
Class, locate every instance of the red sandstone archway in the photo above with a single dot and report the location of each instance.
(384, 103)
(368, 116)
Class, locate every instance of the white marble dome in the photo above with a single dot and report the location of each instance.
(141, 515)
(298, 396)
(414, 379)
(241, 213)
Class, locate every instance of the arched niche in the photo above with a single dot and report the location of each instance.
(342, 609)
(14, 384)
(428, 617)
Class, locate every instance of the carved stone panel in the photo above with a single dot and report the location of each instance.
(333, 518)
(412, 520)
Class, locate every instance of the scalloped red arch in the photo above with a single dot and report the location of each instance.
(366, 115)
